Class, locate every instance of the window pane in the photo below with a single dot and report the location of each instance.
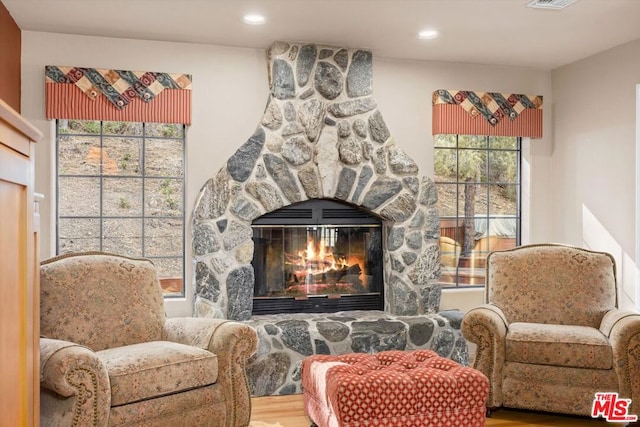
(472, 165)
(78, 234)
(472, 199)
(163, 197)
(122, 197)
(444, 141)
(78, 155)
(170, 273)
(121, 156)
(503, 200)
(79, 126)
(122, 128)
(163, 237)
(447, 199)
(78, 196)
(122, 236)
(163, 157)
(503, 166)
(445, 162)
(164, 130)
(503, 142)
(472, 141)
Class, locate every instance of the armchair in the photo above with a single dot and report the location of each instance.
(550, 334)
(109, 357)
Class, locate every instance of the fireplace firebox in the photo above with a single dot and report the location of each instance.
(317, 256)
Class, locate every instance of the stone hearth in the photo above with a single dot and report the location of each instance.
(322, 136)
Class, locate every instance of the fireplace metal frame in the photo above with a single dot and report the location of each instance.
(322, 212)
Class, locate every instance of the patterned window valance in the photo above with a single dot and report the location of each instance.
(117, 95)
(486, 113)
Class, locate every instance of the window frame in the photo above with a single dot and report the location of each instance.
(143, 176)
(459, 218)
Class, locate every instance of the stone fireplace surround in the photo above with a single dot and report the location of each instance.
(322, 136)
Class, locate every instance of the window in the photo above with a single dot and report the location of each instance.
(121, 190)
(478, 181)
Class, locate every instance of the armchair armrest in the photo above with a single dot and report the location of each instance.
(486, 326)
(233, 343)
(74, 372)
(622, 327)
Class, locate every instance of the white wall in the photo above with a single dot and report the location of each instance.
(229, 93)
(594, 161)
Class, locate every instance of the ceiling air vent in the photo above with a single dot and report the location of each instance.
(550, 4)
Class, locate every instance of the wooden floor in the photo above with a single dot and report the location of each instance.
(289, 412)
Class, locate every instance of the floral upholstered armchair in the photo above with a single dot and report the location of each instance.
(109, 356)
(550, 334)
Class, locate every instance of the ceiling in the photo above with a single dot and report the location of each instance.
(499, 32)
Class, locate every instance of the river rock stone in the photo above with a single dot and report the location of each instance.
(414, 240)
(342, 59)
(399, 162)
(266, 194)
(352, 108)
(266, 376)
(205, 240)
(296, 151)
(403, 297)
(309, 180)
(400, 209)
(380, 161)
(421, 332)
(381, 190)
(241, 163)
(360, 128)
(378, 128)
(311, 115)
(333, 331)
(207, 286)
(305, 62)
(284, 86)
(409, 257)
(325, 53)
(236, 233)
(374, 337)
(328, 80)
(350, 151)
(283, 177)
(272, 118)
(290, 111)
(295, 335)
(244, 208)
(345, 183)
(240, 293)
(427, 266)
(365, 176)
(360, 76)
(395, 239)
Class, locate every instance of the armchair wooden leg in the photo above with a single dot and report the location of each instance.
(491, 410)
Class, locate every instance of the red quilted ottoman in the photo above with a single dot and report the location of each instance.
(393, 388)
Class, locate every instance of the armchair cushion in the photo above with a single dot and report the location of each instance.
(558, 345)
(152, 369)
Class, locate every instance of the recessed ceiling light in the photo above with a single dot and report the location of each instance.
(427, 34)
(254, 19)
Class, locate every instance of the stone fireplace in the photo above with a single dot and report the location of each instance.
(322, 138)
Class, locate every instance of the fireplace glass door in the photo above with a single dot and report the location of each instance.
(321, 267)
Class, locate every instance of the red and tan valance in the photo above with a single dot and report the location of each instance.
(117, 95)
(486, 113)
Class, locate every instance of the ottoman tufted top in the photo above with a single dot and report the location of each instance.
(393, 385)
